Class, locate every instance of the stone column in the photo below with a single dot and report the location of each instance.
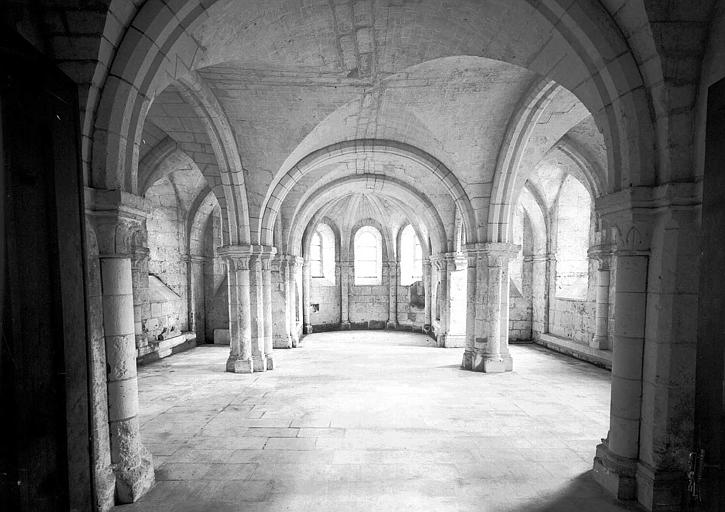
(118, 218)
(603, 254)
(392, 295)
(469, 352)
(293, 264)
(281, 337)
(267, 299)
(428, 285)
(306, 296)
(256, 295)
(197, 317)
(345, 295)
(505, 312)
(616, 458)
(443, 298)
(240, 333)
(550, 289)
(489, 357)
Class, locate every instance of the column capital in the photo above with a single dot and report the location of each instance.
(497, 253)
(603, 254)
(632, 212)
(118, 219)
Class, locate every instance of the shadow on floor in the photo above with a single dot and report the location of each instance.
(581, 494)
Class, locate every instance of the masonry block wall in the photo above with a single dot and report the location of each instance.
(324, 306)
(575, 319)
(411, 305)
(521, 307)
(167, 266)
(369, 306)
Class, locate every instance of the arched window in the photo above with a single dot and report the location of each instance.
(368, 247)
(572, 240)
(411, 257)
(316, 255)
(322, 253)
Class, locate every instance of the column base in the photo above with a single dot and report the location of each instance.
(488, 363)
(235, 365)
(270, 362)
(345, 326)
(391, 325)
(282, 342)
(467, 362)
(455, 341)
(616, 474)
(599, 343)
(259, 363)
(308, 329)
(660, 491)
(508, 362)
(441, 340)
(135, 471)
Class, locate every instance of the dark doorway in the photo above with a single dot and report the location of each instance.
(710, 407)
(44, 453)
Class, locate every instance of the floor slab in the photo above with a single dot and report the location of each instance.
(373, 421)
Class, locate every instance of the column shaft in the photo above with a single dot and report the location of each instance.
(392, 295)
(132, 461)
(257, 313)
(505, 312)
(267, 296)
(616, 459)
(292, 300)
(306, 291)
(468, 353)
(280, 314)
(601, 328)
(344, 295)
(428, 284)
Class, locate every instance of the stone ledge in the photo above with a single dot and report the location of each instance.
(164, 348)
(592, 355)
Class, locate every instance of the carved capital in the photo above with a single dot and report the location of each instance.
(603, 254)
(499, 254)
(632, 213)
(118, 220)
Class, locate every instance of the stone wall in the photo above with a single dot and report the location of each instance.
(411, 313)
(369, 305)
(521, 307)
(324, 304)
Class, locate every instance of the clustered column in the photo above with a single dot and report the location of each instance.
(250, 307)
(240, 333)
(487, 352)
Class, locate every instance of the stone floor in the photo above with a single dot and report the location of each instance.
(373, 421)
